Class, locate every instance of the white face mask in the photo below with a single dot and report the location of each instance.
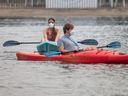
(71, 33)
(51, 25)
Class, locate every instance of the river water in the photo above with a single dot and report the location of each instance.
(46, 78)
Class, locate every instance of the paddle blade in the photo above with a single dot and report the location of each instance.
(114, 45)
(89, 42)
(11, 43)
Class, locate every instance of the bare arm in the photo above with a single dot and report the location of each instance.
(61, 49)
(58, 35)
(44, 38)
(90, 48)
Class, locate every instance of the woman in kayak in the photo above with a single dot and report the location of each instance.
(51, 33)
(66, 43)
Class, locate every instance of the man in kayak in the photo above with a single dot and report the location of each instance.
(66, 43)
(51, 33)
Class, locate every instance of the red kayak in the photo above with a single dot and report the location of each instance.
(83, 57)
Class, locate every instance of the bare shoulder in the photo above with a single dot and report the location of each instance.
(57, 29)
(45, 29)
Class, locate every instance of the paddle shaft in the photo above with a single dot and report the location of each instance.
(29, 42)
(110, 45)
(101, 46)
(86, 41)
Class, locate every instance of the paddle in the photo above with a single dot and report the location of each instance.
(115, 44)
(14, 43)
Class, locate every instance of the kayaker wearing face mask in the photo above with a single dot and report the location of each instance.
(51, 33)
(66, 43)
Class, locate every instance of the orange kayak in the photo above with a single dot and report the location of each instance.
(83, 57)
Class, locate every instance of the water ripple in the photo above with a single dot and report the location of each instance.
(25, 78)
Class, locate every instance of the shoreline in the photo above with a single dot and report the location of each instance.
(39, 13)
